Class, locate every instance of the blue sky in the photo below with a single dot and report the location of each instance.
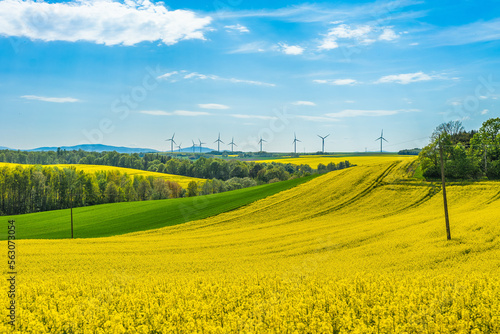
(132, 73)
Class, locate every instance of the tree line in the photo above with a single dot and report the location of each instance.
(202, 167)
(27, 189)
(466, 154)
(35, 188)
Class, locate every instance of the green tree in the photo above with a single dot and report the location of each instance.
(192, 189)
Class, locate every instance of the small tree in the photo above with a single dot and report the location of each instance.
(192, 189)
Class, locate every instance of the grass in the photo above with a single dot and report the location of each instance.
(120, 218)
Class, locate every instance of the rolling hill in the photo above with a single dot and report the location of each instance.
(120, 218)
(359, 250)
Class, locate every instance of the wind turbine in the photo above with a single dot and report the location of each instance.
(200, 143)
(193, 145)
(179, 147)
(218, 141)
(260, 142)
(295, 140)
(172, 142)
(381, 138)
(323, 142)
(232, 144)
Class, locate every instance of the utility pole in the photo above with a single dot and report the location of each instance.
(71, 211)
(448, 233)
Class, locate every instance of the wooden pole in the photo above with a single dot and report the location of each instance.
(71, 210)
(448, 233)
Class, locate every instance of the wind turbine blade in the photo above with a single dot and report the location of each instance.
(385, 139)
(327, 135)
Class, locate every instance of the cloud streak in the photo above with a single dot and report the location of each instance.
(405, 78)
(236, 27)
(481, 31)
(336, 82)
(369, 113)
(175, 113)
(242, 116)
(100, 22)
(185, 75)
(51, 99)
(304, 103)
(213, 106)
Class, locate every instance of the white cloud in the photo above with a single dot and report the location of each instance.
(358, 113)
(174, 113)
(101, 22)
(167, 75)
(252, 116)
(405, 78)
(388, 35)
(291, 49)
(349, 101)
(237, 27)
(336, 82)
(303, 103)
(51, 99)
(345, 31)
(177, 75)
(361, 34)
(484, 112)
(212, 106)
(328, 43)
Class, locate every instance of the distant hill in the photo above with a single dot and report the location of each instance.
(96, 148)
(196, 150)
(4, 148)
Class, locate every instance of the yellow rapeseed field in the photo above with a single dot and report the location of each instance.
(183, 181)
(360, 250)
(363, 159)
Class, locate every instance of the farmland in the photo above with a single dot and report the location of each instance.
(183, 181)
(357, 159)
(359, 250)
(119, 218)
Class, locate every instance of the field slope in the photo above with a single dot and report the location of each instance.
(353, 158)
(120, 218)
(360, 250)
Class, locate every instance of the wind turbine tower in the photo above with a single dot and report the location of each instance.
(295, 140)
(193, 145)
(172, 142)
(381, 138)
(179, 147)
(218, 141)
(323, 142)
(200, 143)
(260, 142)
(232, 144)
